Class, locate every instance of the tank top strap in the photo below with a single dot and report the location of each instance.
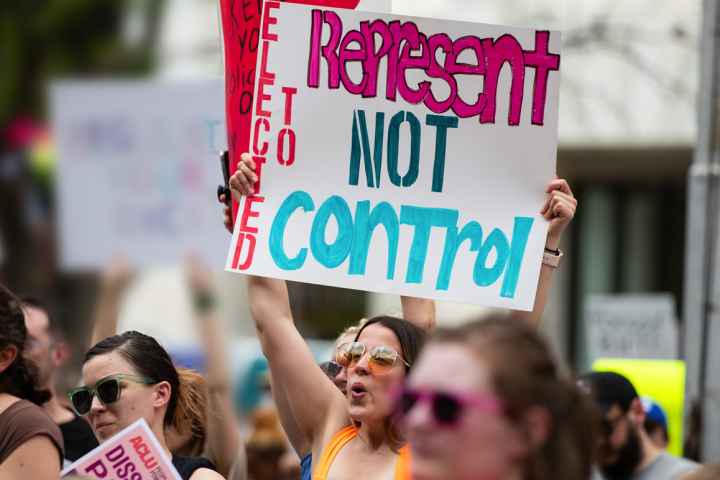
(402, 469)
(338, 441)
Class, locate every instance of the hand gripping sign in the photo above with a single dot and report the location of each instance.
(132, 454)
(400, 154)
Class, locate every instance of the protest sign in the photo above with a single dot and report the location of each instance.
(132, 454)
(138, 170)
(442, 133)
(241, 37)
(661, 380)
(631, 326)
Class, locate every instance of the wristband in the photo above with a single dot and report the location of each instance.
(557, 252)
(552, 260)
(204, 302)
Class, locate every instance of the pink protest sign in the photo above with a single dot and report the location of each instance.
(132, 454)
(241, 37)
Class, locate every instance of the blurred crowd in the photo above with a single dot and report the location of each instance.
(399, 398)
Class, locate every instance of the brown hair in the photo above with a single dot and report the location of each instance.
(20, 377)
(525, 375)
(187, 407)
(411, 339)
(192, 411)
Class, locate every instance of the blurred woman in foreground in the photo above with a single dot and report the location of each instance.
(486, 402)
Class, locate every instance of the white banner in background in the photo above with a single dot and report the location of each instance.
(138, 170)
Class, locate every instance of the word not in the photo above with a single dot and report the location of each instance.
(405, 47)
(355, 233)
(372, 158)
(120, 466)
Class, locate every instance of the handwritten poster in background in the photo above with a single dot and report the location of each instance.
(400, 155)
(241, 38)
(631, 326)
(137, 171)
(133, 454)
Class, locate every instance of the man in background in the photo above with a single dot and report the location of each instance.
(625, 450)
(656, 423)
(47, 348)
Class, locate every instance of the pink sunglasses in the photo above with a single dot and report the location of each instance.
(446, 407)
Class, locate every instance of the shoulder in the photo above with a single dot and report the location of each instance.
(668, 466)
(206, 474)
(678, 466)
(196, 468)
(22, 421)
(22, 462)
(30, 417)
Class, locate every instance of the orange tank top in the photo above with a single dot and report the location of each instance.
(341, 438)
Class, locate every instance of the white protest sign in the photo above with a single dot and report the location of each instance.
(138, 170)
(133, 454)
(400, 154)
(631, 326)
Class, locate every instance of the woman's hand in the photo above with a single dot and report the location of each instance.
(242, 183)
(559, 210)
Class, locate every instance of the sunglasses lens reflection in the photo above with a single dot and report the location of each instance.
(108, 391)
(81, 400)
(446, 408)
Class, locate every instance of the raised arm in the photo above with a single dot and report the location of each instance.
(297, 438)
(313, 400)
(419, 311)
(114, 281)
(223, 435)
(559, 209)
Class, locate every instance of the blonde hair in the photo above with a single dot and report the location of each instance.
(267, 432)
(352, 330)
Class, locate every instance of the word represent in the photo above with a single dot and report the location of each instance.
(404, 47)
(355, 232)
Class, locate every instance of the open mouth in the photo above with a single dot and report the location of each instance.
(358, 390)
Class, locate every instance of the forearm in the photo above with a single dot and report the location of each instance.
(269, 306)
(419, 311)
(223, 434)
(209, 329)
(105, 316)
(534, 317)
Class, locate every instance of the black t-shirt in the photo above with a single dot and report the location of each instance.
(78, 437)
(186, 466)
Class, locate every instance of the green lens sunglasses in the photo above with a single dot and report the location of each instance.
(107, 390)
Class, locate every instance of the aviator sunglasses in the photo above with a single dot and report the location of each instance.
(380, 358)
(107, 390)
(446, 407)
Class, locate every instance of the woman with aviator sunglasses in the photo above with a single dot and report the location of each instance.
(486, 402)
(353, 436)
(128, 377)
